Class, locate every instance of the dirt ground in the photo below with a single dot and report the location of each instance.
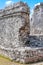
(4, 61)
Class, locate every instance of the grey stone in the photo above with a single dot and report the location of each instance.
(14, 30)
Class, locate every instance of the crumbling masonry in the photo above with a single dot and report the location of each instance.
(14, 34)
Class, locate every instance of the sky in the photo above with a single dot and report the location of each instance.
(30, 3)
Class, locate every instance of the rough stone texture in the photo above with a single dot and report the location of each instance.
(36, 41)
(37, 19)
(36, 38)
(36, 32)
(23, 54)
(14, 30)
(15, 41)
(14, 25)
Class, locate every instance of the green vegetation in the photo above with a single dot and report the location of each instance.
(6, 61)
(7, 58)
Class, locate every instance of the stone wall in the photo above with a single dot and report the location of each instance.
(36, 35)
(37, 19)
(36, 32)
(14, 25)
(23, 54)
(15, 41)
(14, 30)
(36, 40)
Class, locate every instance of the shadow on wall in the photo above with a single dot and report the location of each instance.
(34, 41)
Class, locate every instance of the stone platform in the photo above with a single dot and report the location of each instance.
(23, 54)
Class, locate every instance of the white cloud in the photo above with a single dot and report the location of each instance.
(9, 2)
(37, 4)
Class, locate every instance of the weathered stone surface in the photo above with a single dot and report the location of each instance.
(37, 19)
(36, 34)
(23, 54)
(14, 25)
(36, 40)
(14, 30)
(15, 41)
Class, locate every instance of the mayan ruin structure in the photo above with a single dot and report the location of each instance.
(16, 41)
(14, 28)
(37, 19)
(37, 25)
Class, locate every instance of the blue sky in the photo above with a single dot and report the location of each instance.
(30, 3)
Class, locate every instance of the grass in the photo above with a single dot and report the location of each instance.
(1, 56)
(6, 61)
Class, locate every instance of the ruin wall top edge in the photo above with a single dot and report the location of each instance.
(15, 8)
